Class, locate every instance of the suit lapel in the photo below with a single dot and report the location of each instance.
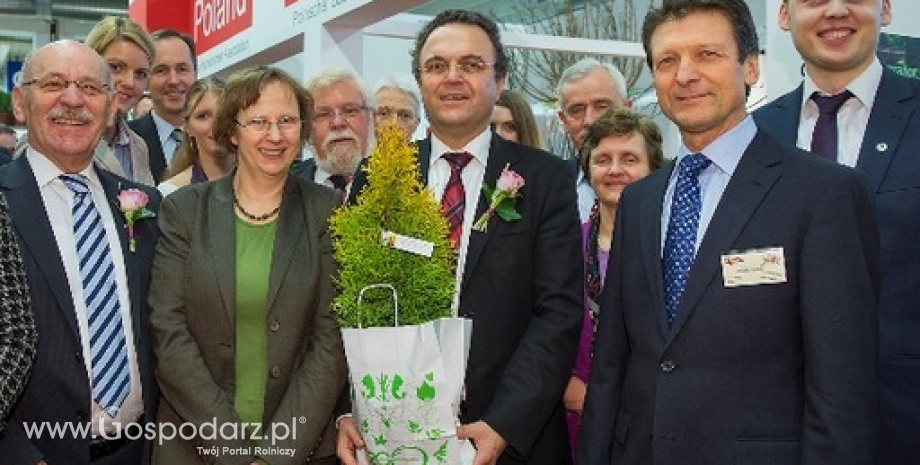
(112, 187)
(650, 215)
(222, 224)
(290, 231)
(785, 120)
(30, 220)
(500, 154)
(894, 104)
(752, 180)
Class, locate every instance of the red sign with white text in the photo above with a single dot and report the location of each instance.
(290, 2)
(218, 20)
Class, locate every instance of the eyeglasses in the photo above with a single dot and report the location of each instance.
(385, 113)
(55, 84)
(467, 66)
(349, 112)
(578, 111)
(285, 124)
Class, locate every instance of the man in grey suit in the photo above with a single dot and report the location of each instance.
(879, 132)
(59, 203)
(738, 320)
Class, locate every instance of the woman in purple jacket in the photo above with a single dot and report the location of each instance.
(621, 147)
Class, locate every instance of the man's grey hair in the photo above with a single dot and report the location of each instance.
(402, 82)
(581, 69)
(329, 76)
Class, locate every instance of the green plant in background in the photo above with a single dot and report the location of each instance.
(394, 200)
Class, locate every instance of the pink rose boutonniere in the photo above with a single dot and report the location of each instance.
(133, 204)
(501, 199)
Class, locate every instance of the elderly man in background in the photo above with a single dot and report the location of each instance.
(586, 91)
(398, 101)
(341, 130)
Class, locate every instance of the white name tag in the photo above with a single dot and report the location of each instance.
(754, 267)
(406, 243)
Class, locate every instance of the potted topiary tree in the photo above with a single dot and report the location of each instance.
(406, 356)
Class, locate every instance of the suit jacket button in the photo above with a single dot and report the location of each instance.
(668, 366)
(274, 326)
(275, 371)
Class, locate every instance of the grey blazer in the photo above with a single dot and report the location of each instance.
(140, 159)
(192, 300)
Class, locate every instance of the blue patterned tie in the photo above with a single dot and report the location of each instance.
(107, 337)
(680, 241)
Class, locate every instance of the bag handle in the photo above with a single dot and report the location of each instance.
(395, 300)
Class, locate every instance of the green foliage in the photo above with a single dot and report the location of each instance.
(394, 200)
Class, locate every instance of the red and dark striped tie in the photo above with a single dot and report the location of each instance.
(454, 201)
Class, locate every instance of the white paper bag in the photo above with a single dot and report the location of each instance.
(406, 387)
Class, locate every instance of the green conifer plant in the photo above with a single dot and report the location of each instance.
(393, 200)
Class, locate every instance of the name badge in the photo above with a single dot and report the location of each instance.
(754, 267)
(406, 243)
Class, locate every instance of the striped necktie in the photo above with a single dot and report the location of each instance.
(453, 203)
(111, 378)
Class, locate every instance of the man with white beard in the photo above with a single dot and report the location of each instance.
(341, 128)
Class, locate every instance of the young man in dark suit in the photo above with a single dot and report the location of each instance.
(59, 204)
(738, 320)
(174, 70)
(520, 282)
(879, 132)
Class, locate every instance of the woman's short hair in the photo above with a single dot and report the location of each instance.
(243, 90)
(618, 122)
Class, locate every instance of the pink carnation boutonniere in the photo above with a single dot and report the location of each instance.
(133, 204)
(502, 199)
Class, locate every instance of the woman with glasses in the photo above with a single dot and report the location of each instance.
(241, 291)
(199, 158)
(512, 118)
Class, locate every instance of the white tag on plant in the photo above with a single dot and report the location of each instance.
(406, 243)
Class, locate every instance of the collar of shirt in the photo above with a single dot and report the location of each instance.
(122, 137)
(864, 88)
(478, 147)
(725, 152)
(47, 172)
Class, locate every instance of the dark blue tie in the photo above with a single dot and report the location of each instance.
(680, 241)
(824, 137)
(107, 337)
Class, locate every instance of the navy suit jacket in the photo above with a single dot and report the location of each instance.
(776, 374)
(59, 389)
(147, 129)
(522, 287)
(890, 158)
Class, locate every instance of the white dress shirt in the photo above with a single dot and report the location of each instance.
(58, 199)
(852, 119)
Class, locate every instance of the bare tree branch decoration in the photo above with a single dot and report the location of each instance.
(536, 72)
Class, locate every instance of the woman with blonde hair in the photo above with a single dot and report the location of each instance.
(199, 158)
(128, 50)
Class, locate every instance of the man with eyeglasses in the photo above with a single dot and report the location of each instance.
(586, 90)
(87, 282)
(517, 280)
(398, 101)
(341, 129)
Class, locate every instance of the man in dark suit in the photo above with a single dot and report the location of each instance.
(65, 100)
(174, 70)
(520, 282)
(879, 132)
(737, 323)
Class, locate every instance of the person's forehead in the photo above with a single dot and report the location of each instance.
(394, 96)
(345, 89)
(72, 62)
(458, 39)
(172, 49)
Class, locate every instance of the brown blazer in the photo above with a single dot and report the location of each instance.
(192, 299)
